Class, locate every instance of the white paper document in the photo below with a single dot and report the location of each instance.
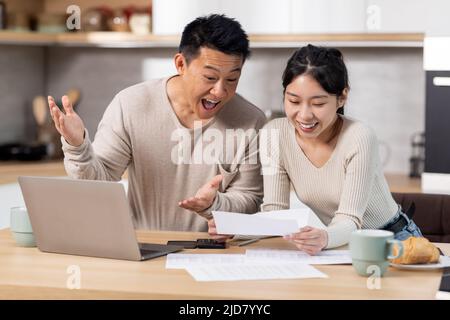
(260, 271)
(184, 260)
(324, 257)
(271, 223)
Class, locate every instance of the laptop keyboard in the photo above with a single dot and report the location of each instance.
(153, 250)
(146, 248)
(145, 252)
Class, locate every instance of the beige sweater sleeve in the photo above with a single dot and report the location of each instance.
(276, 180)
(108, 156)
(360, 166)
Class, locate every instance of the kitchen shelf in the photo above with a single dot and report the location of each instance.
(129, 40)
(26, 38)
(339, 40)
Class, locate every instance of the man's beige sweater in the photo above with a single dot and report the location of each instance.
(167, 162)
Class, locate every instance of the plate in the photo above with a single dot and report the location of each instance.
(444, 261)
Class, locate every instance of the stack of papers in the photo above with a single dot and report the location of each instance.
(324, 257)
(259, 264)
(234, 272)
(271, 223)
(255, 264)
(185, 260)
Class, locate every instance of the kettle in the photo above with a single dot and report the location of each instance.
(417, 159)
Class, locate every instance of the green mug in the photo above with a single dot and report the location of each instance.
(21, 229)
(372, 249)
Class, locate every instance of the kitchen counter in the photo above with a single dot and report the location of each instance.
(9, 171)
(402, 183)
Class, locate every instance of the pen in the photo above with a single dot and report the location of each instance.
(244, 243)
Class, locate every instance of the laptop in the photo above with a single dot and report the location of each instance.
(86, 218)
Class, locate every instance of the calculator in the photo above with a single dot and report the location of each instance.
(210, 244)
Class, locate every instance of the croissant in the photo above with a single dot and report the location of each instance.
(417, 250)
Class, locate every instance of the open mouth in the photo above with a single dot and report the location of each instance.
(209, 104)
(307, 126)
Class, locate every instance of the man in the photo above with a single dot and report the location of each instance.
(162, 131)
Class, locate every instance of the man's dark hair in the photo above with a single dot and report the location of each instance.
(216, 32)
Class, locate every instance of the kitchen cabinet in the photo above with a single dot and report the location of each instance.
(256, 16)
(279, 16)
(396, 15)
(170, 16)
(328, 16)
(436, 177)
(430, 17)
(437, 133)
(260, 16)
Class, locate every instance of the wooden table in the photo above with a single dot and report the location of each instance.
(28, 273)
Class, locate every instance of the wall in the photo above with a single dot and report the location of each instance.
(387, 86)
(58, 6)
(21, 79)
(25, 6)
(99, 74)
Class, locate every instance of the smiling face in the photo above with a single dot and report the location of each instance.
(209, 80)
(310, 108)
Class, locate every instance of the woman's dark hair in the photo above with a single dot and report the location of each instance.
(216, 32)
(325, 65)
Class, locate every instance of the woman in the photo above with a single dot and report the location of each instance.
(330, 160)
